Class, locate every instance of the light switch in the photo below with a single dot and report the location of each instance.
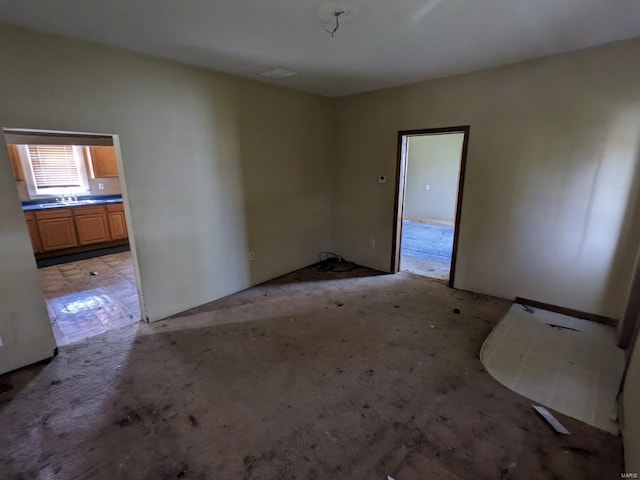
(427, 187)
(101, 186)
(382, 179)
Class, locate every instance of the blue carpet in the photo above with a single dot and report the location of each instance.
(427, 241)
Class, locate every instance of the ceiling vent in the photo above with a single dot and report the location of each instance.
(278, 74)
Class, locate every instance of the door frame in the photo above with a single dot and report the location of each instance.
(401, 178)
(115, 138)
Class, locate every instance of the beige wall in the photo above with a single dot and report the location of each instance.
(214, 166)
(551, 183)
(433, 160)
(24, 322)
(111, 186)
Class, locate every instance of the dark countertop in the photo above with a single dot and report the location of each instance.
(82, 201)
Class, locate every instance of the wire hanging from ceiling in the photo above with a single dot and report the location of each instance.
(337, 14)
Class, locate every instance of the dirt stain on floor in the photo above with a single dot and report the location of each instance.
(281, 382)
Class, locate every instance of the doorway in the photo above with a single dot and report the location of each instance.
(430, 180)
(70, 189)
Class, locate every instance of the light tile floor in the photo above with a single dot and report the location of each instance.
(426, 268)
(82, 304)
(575, 372)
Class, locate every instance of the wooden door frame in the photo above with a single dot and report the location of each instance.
(401, 165)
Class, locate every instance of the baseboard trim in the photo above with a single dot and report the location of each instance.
(81, 255)
(567, 311)
(428, 220)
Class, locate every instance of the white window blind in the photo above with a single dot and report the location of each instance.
(54, 166)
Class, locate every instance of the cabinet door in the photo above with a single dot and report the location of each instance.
(118, 225)
(91, 224)
(15, 162)
(103, 160)
(33, 233)
(56, 232)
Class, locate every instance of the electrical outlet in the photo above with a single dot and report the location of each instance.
(101, 186)
(252, 256)
(372, 243)
(427, 187)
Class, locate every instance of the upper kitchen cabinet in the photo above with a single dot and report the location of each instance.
(15, 162)
(103, 161)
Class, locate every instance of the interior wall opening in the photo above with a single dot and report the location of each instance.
(431, 166)
(70, 189)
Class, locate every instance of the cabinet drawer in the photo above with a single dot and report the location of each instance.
(90, 210)
(115, 207)
(55, 213)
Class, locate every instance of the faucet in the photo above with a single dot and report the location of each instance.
(69, 197)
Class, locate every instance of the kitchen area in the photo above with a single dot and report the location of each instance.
(69, 188)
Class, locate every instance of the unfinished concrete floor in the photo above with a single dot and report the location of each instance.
(311, 376)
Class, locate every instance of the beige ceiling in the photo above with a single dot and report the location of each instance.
(389, 42)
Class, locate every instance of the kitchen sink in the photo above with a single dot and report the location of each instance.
(49, 205)
(66, 204)
(80, 202)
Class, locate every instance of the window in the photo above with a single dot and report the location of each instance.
(54, 166)
(54, 169)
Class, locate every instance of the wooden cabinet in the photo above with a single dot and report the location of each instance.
(117, 222)
(76, 229)
(57, 229)
(103, 161)
(16, 165)
(34, 235)
(91, 224)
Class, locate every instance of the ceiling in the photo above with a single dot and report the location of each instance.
(388, 42)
